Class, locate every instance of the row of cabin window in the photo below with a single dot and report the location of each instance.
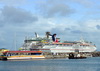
(59, 44)
(65, 45)
(11, 54)
(84, 45)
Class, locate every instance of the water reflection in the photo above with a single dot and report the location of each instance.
(91, 64)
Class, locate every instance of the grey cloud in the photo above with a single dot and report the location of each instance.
(1, 20)
(77, 32)
(57, 31)
(63, 31)
(85, 3)
(1, 25)
(60, 9)
(67, 29)
(16, 16)
(98, 27)
(56, 8)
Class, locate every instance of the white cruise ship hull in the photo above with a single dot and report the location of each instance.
(67, 49)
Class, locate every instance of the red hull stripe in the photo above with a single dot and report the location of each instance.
(23, 52)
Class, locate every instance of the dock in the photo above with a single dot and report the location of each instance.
(48, 55)
(66, 55)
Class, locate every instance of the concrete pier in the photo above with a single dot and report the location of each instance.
(66, 55)
(57, 55)
(96, 54)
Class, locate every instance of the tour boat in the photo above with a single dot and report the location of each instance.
(13, 55)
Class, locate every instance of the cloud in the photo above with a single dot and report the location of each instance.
(57, 31)
(67, 29)
(60, 10)
(1, 23)
(91, 25)
(56, 8)
(85, 3)
(85, 27)
(16, 16)
(98, 27)
(76, 32)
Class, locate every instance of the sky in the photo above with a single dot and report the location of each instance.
(69, 19)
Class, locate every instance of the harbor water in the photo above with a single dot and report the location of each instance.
(89, 64)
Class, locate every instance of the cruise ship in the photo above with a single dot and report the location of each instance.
(50, 43)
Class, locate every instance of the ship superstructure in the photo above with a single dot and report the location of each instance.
(46, 44)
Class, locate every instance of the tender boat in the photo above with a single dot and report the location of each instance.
(72, 56)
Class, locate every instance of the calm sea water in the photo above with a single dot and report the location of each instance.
(89, 64)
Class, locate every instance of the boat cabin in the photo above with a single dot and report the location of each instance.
(11, 53)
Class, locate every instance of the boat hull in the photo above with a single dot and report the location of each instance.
(25, 57)
(64, 50)
(77, 57)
